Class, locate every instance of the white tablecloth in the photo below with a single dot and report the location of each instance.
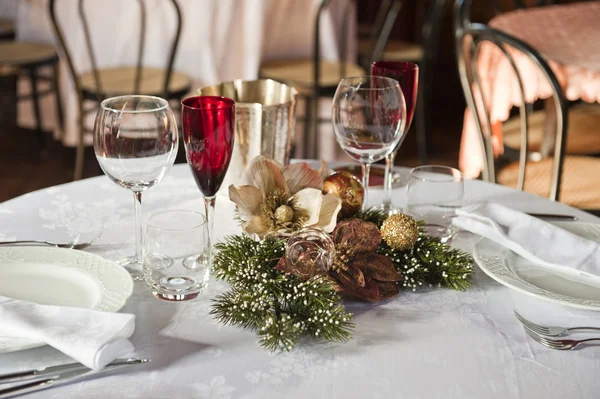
(429, 344)
(221, 40)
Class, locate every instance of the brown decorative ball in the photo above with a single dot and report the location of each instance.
(348, 188)
(400, 232)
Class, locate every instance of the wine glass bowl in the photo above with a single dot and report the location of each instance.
(407, 75)
(368, 116)
(135, 142)
(208, 134)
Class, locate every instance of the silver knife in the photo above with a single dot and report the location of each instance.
(61, 379)
(554, 216)
(54, 370)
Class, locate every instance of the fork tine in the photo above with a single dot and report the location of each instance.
(539, 339)
(547, 342)
(535, 327)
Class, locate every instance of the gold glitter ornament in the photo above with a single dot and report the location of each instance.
(400, 232)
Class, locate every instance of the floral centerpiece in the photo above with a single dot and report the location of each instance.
(308, 247)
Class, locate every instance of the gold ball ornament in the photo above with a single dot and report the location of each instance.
(400, 232)
(348, 188)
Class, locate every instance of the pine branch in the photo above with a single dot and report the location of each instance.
(429, 263)
(280, 307)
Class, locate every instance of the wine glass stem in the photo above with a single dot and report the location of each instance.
(209, 206)
(366, 170)
(388, 180)
(139, 234)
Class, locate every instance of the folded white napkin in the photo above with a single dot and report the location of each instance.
(91, 337)
(530, 237)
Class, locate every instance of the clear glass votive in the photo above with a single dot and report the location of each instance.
(173, 268)
(433, 194)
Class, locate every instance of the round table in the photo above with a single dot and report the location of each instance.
(431, 343)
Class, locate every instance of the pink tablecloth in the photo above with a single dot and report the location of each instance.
(567, 35)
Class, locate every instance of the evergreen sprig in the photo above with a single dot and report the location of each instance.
(280, 307)
(429, 263)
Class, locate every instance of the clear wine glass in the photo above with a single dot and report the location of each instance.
(368, 115)
(208, 134)
(135, 141)
(407, 74)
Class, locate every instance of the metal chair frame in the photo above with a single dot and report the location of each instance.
(468, 38)
(430, 34)
(98, 94)
(312, 120)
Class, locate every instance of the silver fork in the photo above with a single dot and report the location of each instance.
(551, 331)
(73, 244)
(558, 344)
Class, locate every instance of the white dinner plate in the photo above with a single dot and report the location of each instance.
(568, 287)
(63, 277)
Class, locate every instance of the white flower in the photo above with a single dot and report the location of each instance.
(282, 199)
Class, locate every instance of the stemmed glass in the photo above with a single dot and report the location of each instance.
(135, 141)
(407, 74)
(208, 134)
(368, 115)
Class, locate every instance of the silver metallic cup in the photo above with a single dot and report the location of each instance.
(265, 121)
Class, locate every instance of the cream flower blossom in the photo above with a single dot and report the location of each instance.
(279, 199)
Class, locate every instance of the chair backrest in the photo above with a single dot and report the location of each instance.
(316, 42)
(386, 18)
(468, 39)
(58, 31)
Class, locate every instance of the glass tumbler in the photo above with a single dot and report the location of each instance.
(174, 241)
(433, 194)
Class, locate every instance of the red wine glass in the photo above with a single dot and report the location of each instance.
(407, 74)
(208, 135)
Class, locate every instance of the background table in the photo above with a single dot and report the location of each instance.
(567, 35)
(429, 344)
(221, 40)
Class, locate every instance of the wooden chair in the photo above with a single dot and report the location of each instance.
(571, 179)
(31, 60)
(313, 78)
(377, 46)
(98, 84)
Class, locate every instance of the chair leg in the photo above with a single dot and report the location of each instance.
(421, 124)
(36, 107)
(314, 127)
(80, 152)
(59, 108)
(307, 127)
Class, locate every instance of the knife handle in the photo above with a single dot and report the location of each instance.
(18, 376)
(26, 388)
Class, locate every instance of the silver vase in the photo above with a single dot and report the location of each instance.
(265, 121)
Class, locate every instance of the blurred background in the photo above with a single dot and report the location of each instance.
(219, 41)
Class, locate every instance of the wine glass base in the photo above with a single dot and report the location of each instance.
(135, 268)
(444, 233)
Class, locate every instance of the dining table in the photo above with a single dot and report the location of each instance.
(221, 40)
(566, 35)
(430, 343)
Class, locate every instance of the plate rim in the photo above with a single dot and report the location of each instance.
(477, 257)
(117, 307)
